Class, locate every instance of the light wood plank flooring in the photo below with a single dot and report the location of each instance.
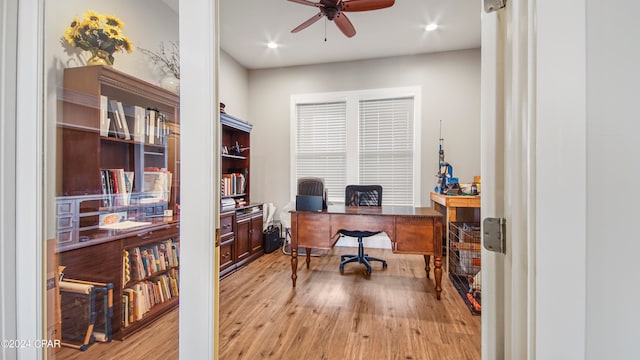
(393, 314)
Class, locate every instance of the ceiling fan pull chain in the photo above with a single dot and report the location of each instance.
(325, 29)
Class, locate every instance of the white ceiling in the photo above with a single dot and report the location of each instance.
(246, 26)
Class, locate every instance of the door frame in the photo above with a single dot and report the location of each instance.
(508, 119)
(542, 314)
(199, 168)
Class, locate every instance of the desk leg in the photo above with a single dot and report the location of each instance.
(437, 272)
(308, 257)
(427, 261)
(294, 265)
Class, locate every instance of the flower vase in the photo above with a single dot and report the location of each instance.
(171, 83)
(99, 57)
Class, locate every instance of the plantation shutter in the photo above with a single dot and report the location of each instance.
(321, 145)
(386, 148)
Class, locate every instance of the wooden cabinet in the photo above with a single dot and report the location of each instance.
(241, 239)
(118, 159)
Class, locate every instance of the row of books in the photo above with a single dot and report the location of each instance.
(232, 184)
(148, 260)
(117, 185)
(132, 122)
(142, 297)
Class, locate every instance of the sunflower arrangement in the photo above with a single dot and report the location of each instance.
(98, 34)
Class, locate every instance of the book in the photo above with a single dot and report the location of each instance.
(139, 114)
(152, 126)
(119, 127)
(104, 116)
(123, 119)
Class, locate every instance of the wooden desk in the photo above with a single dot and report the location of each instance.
(411, 230)
(456, 208)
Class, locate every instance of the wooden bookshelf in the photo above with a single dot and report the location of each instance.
(241, 239)
(85, 247)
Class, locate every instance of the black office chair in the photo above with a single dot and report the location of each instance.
(361, 195)
(311, 186)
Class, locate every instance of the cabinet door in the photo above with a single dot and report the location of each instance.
(256, 234)
(243, 238)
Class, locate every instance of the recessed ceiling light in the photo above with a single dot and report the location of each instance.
(431, 27)
(272, 45)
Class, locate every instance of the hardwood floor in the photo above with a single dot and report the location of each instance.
(393, 314)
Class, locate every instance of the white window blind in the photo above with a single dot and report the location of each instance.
(321, 144)
(386, 148)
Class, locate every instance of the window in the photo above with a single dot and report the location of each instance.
(360, 137)
(321, 144)
(386, 148)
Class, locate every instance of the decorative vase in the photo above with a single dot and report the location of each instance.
(170, 83)
(99, 57)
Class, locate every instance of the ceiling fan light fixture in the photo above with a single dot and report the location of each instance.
(431, 27)
(272, 45)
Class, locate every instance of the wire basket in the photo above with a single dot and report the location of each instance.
(464, 262)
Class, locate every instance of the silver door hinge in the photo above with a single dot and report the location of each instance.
(494, 5)
(494, 230)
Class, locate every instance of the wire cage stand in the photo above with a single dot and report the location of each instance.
(464, 262)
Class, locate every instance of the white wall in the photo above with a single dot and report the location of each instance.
(613, 170)
(450, 84)
(233, 84)
(560, 186)
(144, 28)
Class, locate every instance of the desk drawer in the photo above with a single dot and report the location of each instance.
(312, 230)
(415, 235)
(226, 224)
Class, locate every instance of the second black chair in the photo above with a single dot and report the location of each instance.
(361, 195)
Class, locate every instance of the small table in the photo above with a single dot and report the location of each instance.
(411, 230)
(456, 208)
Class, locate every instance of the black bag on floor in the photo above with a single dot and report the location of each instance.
(272, 240)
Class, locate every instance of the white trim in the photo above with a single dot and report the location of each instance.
(8, 44)
(352, 99)
(29, 176)
(199, 171)
(491, 148)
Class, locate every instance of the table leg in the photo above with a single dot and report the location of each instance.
(294, 265)
(427, 261)
(308, 256)
(437, 272)
(451, 217)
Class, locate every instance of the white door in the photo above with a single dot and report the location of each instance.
(507, 119)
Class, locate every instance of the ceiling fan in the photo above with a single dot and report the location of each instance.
(334, 9)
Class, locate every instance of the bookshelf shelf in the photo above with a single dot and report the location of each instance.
(238, 157)
(114, 123)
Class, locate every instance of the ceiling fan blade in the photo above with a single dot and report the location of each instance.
(365, 5)
(305, 24)
(344, 24)
(306, 2)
